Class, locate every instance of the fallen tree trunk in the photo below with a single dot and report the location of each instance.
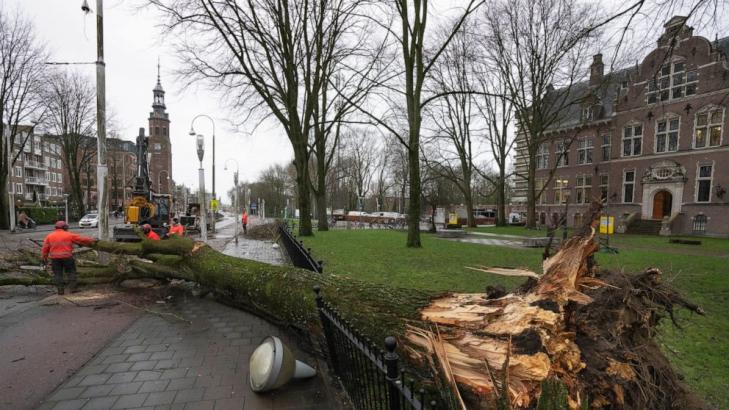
(592, 331)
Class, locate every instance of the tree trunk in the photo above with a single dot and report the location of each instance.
(501, 198)
(303, 184)
(468, 198)
(4, 202)
(321, 210)
(413, 240)
(531, 194)
(591, 330)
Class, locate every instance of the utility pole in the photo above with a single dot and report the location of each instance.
(101, 169)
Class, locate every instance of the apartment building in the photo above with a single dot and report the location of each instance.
(37, 174)
(648, 140)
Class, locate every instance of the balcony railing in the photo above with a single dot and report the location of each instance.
(34, 165)
(36, 181)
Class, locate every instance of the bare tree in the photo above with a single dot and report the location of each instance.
(271, 57)
(497, 112)
(452, 115)
(537, 45)
(21, 72)
(70, 103)
(360, 152)
(405, 87)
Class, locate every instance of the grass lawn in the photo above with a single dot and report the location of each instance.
(700, 350)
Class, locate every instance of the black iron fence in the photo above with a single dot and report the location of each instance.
(300, 256)
(373, 378)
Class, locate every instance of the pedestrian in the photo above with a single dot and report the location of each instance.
(244, 221)
(58, 246)
(23, 220)
(177, 228)
(149, 233)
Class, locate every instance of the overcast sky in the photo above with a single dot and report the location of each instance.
(132, 45)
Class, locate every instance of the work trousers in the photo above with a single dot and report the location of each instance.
(59, 266)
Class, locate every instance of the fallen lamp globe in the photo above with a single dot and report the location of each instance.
(273, 364)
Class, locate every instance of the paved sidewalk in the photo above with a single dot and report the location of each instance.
(262, 251)
(166, 363)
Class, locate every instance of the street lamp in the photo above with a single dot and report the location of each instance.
(192, 132)
(236, 206)
(200, 141)
(65, 203)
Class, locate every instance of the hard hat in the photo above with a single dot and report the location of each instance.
(61, 225)
(146, 228)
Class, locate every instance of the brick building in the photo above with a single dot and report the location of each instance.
(648, 140)
(160, 148)
(37, 176)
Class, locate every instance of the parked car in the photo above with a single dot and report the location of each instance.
(89, 221)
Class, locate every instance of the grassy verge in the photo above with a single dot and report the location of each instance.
(699, 350)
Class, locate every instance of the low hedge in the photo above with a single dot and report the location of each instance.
(43, 215)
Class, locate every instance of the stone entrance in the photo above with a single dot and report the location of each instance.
(663, 185)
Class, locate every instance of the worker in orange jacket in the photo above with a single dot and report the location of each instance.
(58, 247)
(244, 221)
(149, 233)
(176, 228)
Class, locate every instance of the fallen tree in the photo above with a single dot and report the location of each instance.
(586, 334)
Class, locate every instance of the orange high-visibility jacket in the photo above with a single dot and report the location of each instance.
(244, 218)
(152, 236)
(59, 244)
(177, 230)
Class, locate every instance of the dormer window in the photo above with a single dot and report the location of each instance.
(587, 113)
(672, 82)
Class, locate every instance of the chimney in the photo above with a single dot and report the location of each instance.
(597, 69)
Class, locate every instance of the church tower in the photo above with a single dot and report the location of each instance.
(160, 149)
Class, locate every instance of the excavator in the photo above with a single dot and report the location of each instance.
(145, 207)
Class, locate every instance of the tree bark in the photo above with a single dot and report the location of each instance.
(413, 240)
(4, 202)
(501, 198)
(531, 193)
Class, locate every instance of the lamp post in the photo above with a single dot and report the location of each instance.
(200, 140)
(192, 132)
(65, 204)
(236, 206)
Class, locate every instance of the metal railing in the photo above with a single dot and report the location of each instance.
(372, 378)
(301, 257)
(36, 181)
(34, 164)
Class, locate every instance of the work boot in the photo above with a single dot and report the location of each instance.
(61, 291)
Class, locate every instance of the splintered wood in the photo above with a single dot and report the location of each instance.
(509, 345)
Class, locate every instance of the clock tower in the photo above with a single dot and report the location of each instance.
(159, 148)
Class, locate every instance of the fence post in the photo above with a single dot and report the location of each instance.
(391, 359)
(328, 337)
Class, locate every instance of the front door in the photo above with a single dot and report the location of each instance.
(662, 204)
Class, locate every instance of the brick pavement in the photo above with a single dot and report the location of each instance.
(165, 363)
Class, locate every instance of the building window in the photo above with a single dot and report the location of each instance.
(164, 131)
(18, 188)
(606, 147)
(708, 128)
(632, 140)
(587, 113)
(667, 135)
(578, 220)
(563, 154)
(157, 146)
(604, 179)
(672, 82)
(703, 183)
(561, 191)
(700, 223)
(18, 171)
(584, 151)
(156, 130)
(583, 189)
(543, 156)
(628, 186)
